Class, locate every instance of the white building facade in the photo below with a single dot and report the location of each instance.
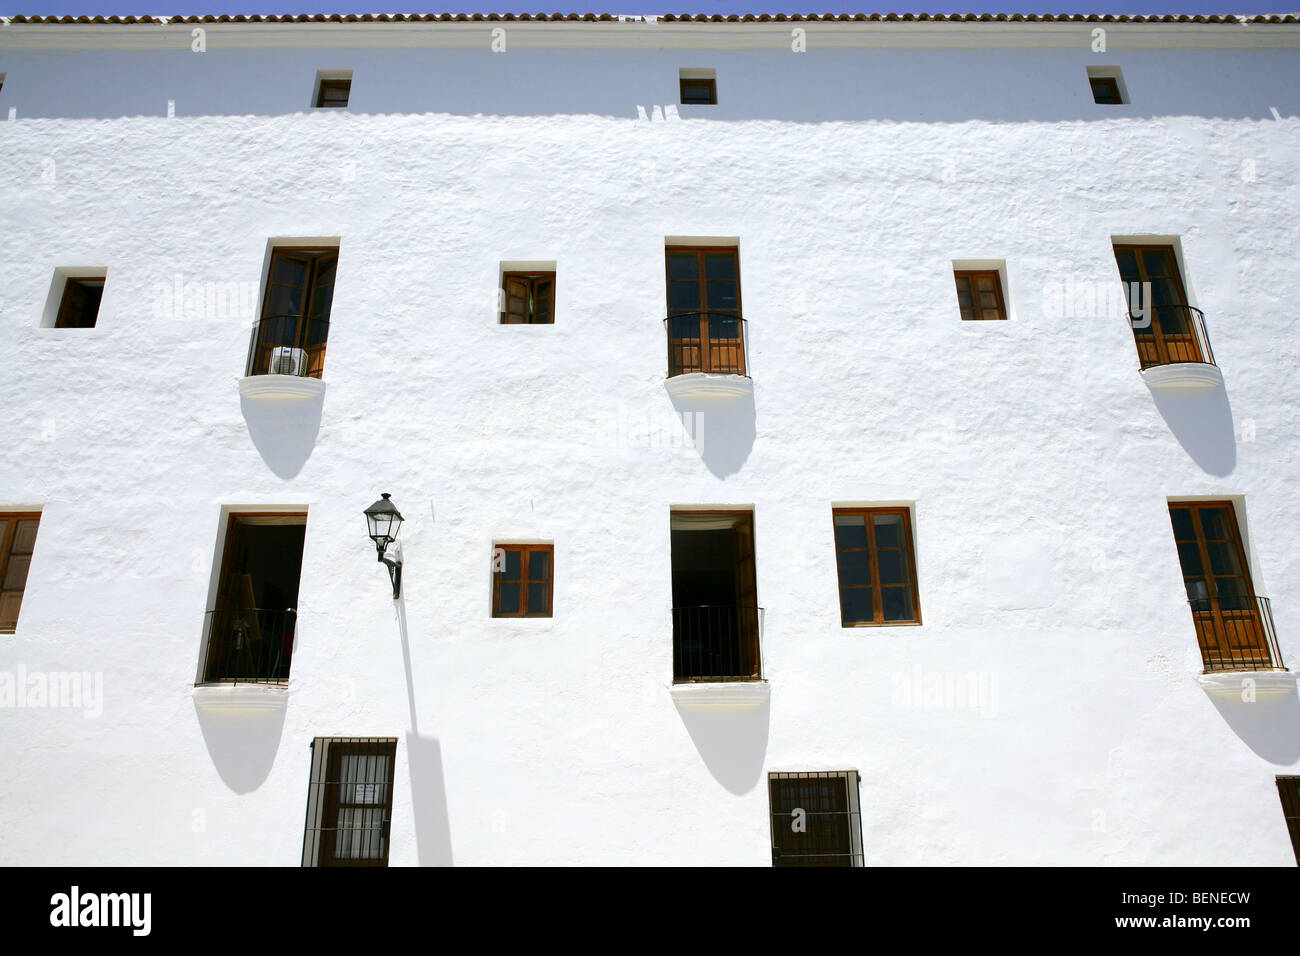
(832, 451)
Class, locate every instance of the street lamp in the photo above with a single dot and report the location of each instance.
(384, 520)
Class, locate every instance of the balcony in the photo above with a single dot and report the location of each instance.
(716, 657)
(286, 357)
(248, 646)
(1238, 635)
(707, 356)
(1174, 348)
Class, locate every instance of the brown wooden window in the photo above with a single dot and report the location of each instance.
(529, 298)
(815, 819)
(1167, 333)
(349, 801)
(333, 93)
(1288, 789)
(979, 293)
(17, 540)
(876, 566)
(715, 597)
(523, 580)
(292, 335)
(251, 626)
(705, 329)
(1233, 627)
(701, 91)
(1105, 90)
(79, 307)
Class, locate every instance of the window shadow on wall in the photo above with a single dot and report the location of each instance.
(731, 742)
(722, 432)
(284, 433)
(243, 743)
(1268, 725)
(1201, 420)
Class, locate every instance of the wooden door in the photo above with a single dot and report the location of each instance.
(742, 542)
(705, 333)
(1171, 336)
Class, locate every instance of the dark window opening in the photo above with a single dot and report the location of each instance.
(291, 337)
(333, 93)
(79, 307)
(529, 298)
(251, 628)
(715, 612)
(349, 801)
(699, 91)
(17, 542)
(1105, 90)
(815, 819)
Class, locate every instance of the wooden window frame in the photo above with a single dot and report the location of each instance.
(63, 319)
(525, 569)
(708, 82)
(1288, 789)
(970, 277)
(260, 350)
(10, 521)
(1112, 82)
(1217, 621)
(532, 280)
(1161, 339)
(731, 357)
(328, 84)
(323, 804)
(848, 849)
(877, 602)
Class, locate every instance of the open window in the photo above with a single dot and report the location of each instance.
(715, 612)
(250, 629)
(705, 329)
(1234, 626)
(291, 336)
(349, 801)
(528, 298)
(17, 542)
(815, 819)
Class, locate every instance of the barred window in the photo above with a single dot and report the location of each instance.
(815, 819)
(349, 801)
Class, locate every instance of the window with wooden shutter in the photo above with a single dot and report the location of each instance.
(17, 542)
(349, 801)
(1288, 789)
(815, 819)
(1166, 329)
(528, 298)
(291, 337)
(876, 567)
(523, 582)
(979, 295)
(705, 328)
(79, 307)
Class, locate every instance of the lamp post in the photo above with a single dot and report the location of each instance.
(384, 521)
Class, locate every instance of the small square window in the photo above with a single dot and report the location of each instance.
(979, 294)
(699, 87)
(79, 306)
(1107, 85)
(522, 580)
(815, 819)
(528, 298)
(876, 567)
(333, 91)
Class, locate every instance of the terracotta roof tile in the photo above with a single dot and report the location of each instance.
(675, 18)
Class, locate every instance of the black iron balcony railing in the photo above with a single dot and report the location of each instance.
(289, 345)
(248, 645)
(715, 643)
(1237, 638)
(1171, 334)
(706, 342)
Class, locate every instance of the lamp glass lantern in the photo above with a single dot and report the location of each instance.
(384, 521)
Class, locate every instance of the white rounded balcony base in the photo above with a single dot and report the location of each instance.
(721, 695)
(240, 698)
(281, 387)
(709, 386)
(1183, 375)
(1247, 685)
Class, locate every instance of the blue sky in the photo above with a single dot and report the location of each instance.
(184, 7)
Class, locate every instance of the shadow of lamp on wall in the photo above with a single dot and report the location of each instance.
(384, 521)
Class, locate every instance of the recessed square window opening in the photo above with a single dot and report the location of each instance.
(333, 87)
(1107, 84)
(699, 87)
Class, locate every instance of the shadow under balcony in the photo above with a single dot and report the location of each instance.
(285, 358)
(1174, 348)
(707, 356)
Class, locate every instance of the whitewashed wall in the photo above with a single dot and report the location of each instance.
(1038, 463)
